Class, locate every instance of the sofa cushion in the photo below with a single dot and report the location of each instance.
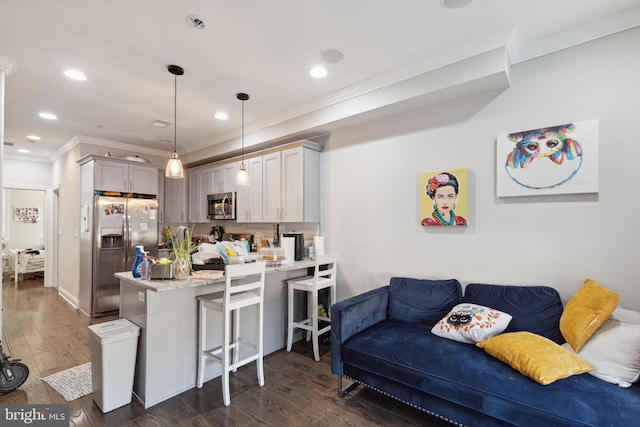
(585, 312)
(614, 350)
(535, 309)
(535, 356)
(471, 323)
(422, 300)
(465, 375)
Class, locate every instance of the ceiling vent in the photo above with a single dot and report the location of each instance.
(196, 22)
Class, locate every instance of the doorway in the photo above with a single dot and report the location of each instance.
(24, 225)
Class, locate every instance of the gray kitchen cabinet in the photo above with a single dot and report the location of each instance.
(224, 178)
(161, 196)
(249, 197)
(126, 177)
(291, 184)
(284, 186)
(271, 187)
(175, 202)
(199, 184)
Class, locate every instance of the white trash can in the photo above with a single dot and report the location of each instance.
(113, 361)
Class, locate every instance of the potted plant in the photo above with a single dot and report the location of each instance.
(181, 251)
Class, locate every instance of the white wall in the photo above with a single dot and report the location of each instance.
(26, 174)
(371, 215)
(66, 175)
(24, 235)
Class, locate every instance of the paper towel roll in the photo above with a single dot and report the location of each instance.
(318, 244)
(289, 245)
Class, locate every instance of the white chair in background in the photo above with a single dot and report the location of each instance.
(244, 288)
(324, 276)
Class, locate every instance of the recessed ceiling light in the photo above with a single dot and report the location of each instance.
(23, 151)
(48, 116)
(221, 115)
(454, 4)
(75, 75)
(161, 123)
(33, 138)
(332, 56)
(318, 72)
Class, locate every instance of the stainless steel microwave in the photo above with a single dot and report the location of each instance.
(221, 206)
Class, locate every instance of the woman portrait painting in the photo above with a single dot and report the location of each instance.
(443, 191)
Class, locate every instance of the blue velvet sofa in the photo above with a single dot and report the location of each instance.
(382, 339)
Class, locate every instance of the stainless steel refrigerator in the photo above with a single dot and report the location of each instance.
(111, 229)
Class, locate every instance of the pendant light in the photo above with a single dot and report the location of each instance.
(243, 176)
(174, 165)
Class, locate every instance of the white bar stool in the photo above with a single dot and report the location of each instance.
(321, 279)
(244, 287)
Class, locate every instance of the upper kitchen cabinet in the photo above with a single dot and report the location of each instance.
(249, 200)
(224, 178)
(291, 184)
(199, 184)
(175, 201)
(124, 176)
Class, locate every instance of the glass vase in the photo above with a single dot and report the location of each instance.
(181, 268)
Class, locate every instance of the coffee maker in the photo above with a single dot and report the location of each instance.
(298, 244)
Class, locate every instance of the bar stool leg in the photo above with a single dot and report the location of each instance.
(202, 320)
(226, 398)
(235, 318)
(314, 324)
(290, 319)
(309, 320)
(260, 365)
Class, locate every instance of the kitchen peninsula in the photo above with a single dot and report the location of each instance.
(167, 313)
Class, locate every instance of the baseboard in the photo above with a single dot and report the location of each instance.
(73, 301)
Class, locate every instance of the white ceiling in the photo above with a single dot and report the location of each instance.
(264, 48)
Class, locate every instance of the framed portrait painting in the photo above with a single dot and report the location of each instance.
(443, 198)
(559, 159)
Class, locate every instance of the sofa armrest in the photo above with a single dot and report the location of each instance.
(355, 314)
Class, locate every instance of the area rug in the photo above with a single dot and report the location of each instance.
(72, 383)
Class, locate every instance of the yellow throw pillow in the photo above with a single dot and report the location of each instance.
(585, 312)
(535, 356)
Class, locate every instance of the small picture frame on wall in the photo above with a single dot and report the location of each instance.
(559, 159)
(443, 198)
(27, 215)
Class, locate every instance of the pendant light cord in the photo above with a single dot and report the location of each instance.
(175, 112)
(242, 149)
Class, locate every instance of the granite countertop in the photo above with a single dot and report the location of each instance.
(171, 285)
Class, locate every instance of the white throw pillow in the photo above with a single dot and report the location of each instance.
(471, 323)
(614, 349)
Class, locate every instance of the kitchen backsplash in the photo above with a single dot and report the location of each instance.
(310, 229)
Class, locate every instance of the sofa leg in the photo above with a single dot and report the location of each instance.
(344, 392)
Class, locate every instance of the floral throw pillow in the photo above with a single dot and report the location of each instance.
(471, 323)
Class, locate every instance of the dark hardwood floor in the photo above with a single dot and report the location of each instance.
(49, 336)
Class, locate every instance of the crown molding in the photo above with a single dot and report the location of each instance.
(520, 52)
(26, 158)
(105, 143)
(8, 65)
